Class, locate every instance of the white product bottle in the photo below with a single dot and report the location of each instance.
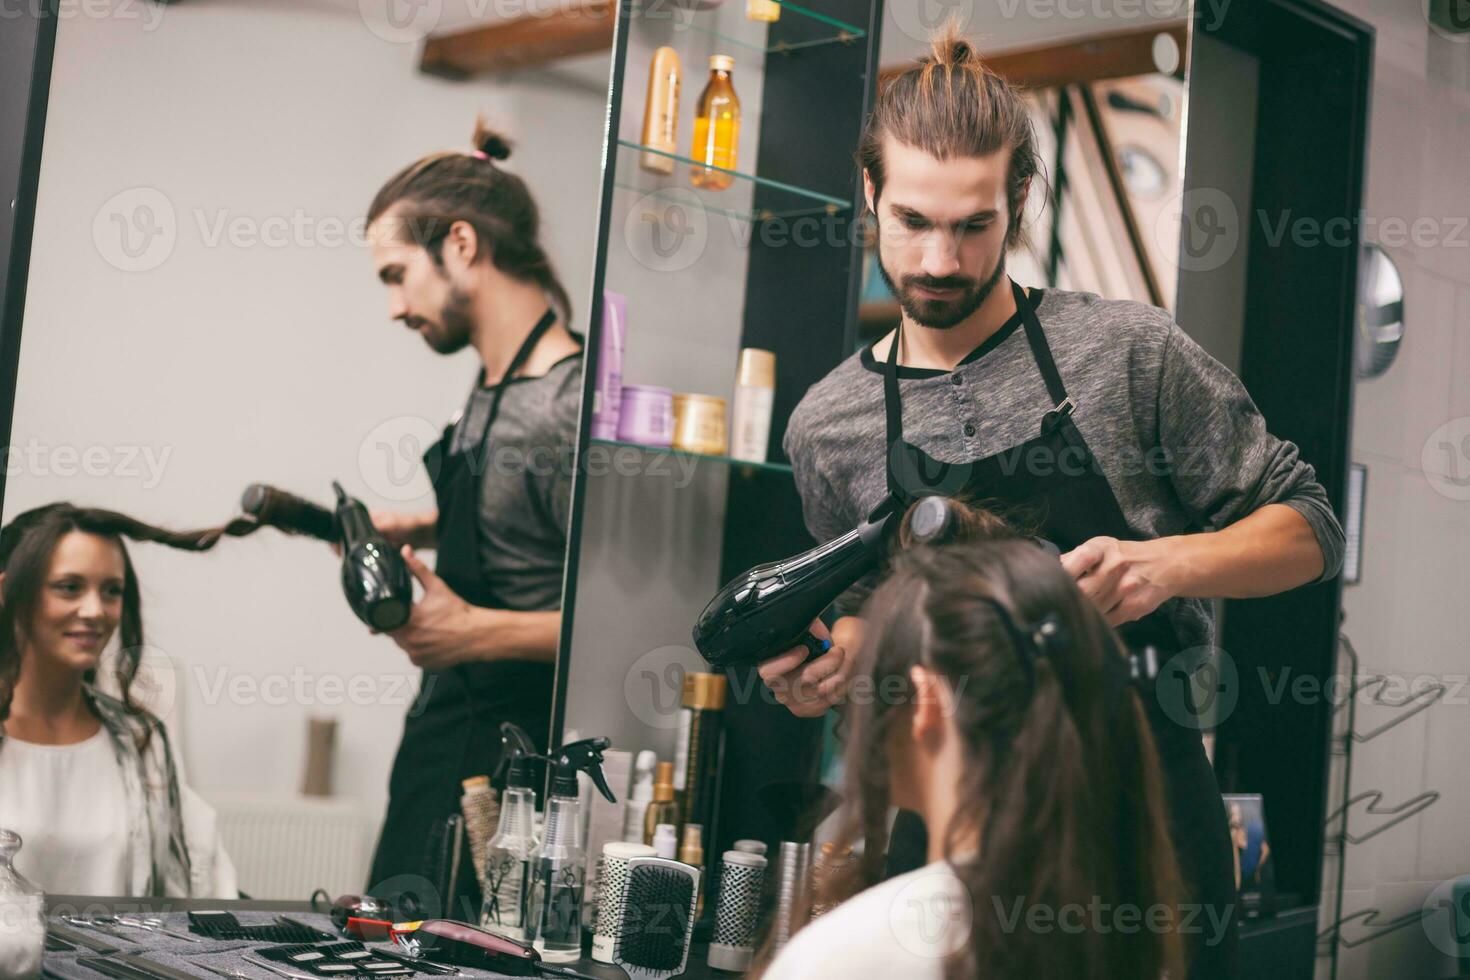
(642, 795)
(666, 840)
(755, 392)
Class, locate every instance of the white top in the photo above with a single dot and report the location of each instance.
(904, 927)
(70, 808)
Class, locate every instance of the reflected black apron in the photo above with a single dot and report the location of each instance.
(1053, 484)
(452, 730)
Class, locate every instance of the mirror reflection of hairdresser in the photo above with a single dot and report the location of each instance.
(454, 238)
(91, 780)
(1100, 424)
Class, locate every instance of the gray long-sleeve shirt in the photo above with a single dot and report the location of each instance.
(1175, 433)
(526, 485)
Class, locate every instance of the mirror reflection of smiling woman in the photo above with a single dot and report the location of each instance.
(89, 780)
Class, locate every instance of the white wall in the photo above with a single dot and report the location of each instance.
(240, 362)
(1407, 618)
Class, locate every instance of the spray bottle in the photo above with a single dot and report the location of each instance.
(508, 854)
(559, 864)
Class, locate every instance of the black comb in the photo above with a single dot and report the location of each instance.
(658, 918)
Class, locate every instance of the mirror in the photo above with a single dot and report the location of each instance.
(204, 313)
(1380, 312)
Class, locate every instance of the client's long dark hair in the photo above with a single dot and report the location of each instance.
(26, 544)
(1061, 784)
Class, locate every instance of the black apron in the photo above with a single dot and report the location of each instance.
(1053, 483)
(452, 730)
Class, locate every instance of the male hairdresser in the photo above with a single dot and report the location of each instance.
(1151, 467)
(454, 238)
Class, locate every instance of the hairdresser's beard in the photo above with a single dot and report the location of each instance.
(941, 314)
(456, 324)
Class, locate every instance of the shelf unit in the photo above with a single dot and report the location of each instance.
(704, 274)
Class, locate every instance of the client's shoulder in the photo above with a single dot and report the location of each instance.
(904, 927)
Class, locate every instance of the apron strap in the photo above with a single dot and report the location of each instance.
(522, 355)
(892, 406)
(1041, 352)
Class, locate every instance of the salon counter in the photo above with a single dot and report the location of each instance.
(226, 954)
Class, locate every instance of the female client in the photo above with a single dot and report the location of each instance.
(90, 780)
(1002, 713)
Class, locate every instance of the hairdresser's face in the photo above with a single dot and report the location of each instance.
(941, 231)
(430, 299)
(80, 602)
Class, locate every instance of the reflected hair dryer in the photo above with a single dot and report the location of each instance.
(375, 578)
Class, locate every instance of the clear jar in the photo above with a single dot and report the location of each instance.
(22, 916)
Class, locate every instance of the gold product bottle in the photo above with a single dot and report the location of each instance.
(661, 112)
(663, 809)
(767, 10)
(716, 127)
(691, 852)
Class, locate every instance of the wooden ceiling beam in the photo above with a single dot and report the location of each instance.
(525, 42)
(1093, 59)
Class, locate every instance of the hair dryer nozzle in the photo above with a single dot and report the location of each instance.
(375, 577)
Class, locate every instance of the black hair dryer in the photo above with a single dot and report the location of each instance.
(769, 609)
(375, 578)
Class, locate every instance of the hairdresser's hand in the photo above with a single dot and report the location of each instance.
(1124, 579)
(808, 690)
(402, 529)
(439, 631)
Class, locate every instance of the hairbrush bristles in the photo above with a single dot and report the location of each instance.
(658, 918)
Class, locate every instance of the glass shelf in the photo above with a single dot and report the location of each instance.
(783, 200)
(800, 28)
(723, 460)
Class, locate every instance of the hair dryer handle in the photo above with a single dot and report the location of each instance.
(815, 646)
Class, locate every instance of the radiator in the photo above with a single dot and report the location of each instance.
(286, 847)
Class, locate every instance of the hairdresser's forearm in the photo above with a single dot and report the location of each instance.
(506, 634)
(1269, 551)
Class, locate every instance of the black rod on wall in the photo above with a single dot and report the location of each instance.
(26, 47)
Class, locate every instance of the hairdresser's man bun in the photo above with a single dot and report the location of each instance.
(950, 47)
(489, 142)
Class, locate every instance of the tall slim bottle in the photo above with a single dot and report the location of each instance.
(766, 10)
(716, 127)
(661, 112)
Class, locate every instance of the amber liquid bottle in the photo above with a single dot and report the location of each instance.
(716, 127)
